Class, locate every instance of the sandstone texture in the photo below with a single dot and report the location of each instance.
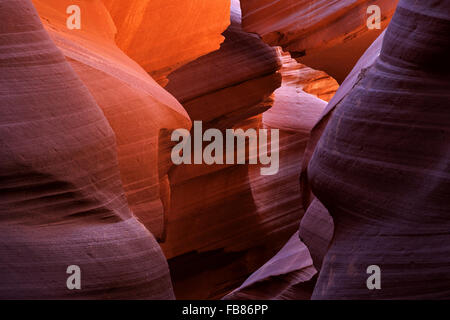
(358, 134)
(162, 35)
(62, 201)
(362, 161)
(282, 278)
(232, 84)
(140, 112)
(381, 166)
(236, 216)
(213, 215)
(290, 274)
(317, 226)
(326, 35)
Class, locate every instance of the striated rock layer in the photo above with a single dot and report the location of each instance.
(232, 84)
(306, 79)
(217, 233)
(162, 35)
(140, 112)
(62, 201)
(317, 227)
(284, 277)
(381, 167)
(290, 273)
(324, 35)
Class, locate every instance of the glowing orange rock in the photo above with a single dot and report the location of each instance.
(226, 221)
(162, 35)
(290, 273)
(324, 35)
(381, 165)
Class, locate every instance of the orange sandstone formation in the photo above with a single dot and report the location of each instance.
(235, 216)
(140, 112)
(216, 233)
(290, 273)
(286, 276)
(162, 35)
(324, 35)
(62, 201)
(317, 226)
(84, 129)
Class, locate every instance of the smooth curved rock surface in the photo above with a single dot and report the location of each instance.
(316, 231)
(62, 201)
(386, 147)
(326, 35)
(290, 274)
(224, 89)
(247, 215)
(162, 35)
(317, 226)
(232, 84)
(277, 279)
(140, 112)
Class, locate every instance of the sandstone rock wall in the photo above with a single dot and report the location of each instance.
(214, 216)
(87, 178)
(139, 111)
(62, 201)
(326, 35)
(386, 148)
(290, 273)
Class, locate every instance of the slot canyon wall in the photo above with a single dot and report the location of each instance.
(235, 216)
(394, 121)
(363, 168)
(87, 177)
(139, 111)
(163, 35)
(226, 207)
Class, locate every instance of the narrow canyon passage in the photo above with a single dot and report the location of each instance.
(224, 149)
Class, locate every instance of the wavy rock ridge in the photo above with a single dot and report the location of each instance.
(62, 200)
(290, 274)
(381, 128)
(326, 35)
(87, 179)
(163, 35)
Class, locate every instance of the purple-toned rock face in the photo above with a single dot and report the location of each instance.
(61, 197)
(382, 166)
(89, 180)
